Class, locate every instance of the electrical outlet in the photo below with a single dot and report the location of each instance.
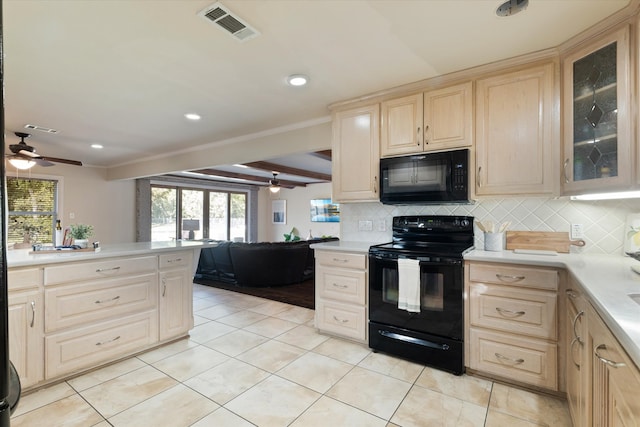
(72, 215)
(577, 231)
(380, 225)
(365, 225)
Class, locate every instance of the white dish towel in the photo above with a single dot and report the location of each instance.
(409, 285)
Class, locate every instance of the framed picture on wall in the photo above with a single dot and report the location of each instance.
(279, 212)
(323, 210)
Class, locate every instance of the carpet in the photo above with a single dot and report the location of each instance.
(300, 294)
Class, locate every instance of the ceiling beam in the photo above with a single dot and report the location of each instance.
(273, 167)
(323, 154)
(262, 181)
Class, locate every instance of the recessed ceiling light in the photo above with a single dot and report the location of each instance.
(192, 116)
(97, 146)
(511, 7)
(297, 80)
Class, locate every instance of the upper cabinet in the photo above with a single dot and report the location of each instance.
(356, 154)
(430, 121)
(517, 132)
(596, 108)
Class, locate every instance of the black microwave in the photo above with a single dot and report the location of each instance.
(429, 178)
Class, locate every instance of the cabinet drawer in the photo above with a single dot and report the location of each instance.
(175, 260)
(341, 259)
(510, 309)
(517, 358)
(342, 319)
(24, 278)
(69, 352)
(516, 275)
(109, 267)
(74, 305)
(342, 284)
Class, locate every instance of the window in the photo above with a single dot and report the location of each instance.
(32, 212)
(194, 213)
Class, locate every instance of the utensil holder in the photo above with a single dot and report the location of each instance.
(494, 242)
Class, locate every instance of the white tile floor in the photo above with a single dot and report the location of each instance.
(255, 362)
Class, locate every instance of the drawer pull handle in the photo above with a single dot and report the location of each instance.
(510, 313)
(340, 260)
(101, 270)
(573, 342)
(564, 171)
(606, 361)
(174, 260)
(575, 321)
(33, 314)
(508, 277)
(108, 300)
(107, 342)
(164, 290)
(340, 286)
(340, 320)
(514, 361)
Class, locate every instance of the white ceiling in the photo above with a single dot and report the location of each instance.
(123, 73)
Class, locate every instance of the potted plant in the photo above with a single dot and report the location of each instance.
(80, 234)
(292, 236)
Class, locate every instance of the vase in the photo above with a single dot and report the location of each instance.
(83, 243)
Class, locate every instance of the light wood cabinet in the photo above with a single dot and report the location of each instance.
(517, 132)
(597, 115)
(434, 120)
(512, 323)
(26, 320)
(176, 295)
(612, 393)
(341, 294)
(574, 345)
(356, 154)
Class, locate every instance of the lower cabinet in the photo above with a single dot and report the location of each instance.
(612, 392)
(175, 295)
(512, 323)
(26, 336)
(341, 294)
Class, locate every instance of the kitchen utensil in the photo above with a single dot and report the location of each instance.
(504, 226)
(543, 240)
(481, 226)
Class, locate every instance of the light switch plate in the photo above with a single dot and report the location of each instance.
(366, 225)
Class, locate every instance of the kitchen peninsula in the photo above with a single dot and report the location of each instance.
(71, 312)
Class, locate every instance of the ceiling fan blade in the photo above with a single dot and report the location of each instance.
(42, 162)
(25, 153)
(58, 160)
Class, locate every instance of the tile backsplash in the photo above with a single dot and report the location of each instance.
(603, 221)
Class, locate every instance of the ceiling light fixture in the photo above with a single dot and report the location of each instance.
(297, 80)
(274, 184)
(193, 116)
(511, 7)
(22, 164)
(97, 146)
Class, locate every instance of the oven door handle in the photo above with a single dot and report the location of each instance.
(412, 340)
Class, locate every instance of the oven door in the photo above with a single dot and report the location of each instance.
(441, 297)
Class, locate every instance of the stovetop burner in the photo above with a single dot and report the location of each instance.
(429, 235)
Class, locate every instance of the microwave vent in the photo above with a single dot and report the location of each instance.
(222, 17)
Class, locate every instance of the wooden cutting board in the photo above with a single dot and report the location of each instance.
(541, 240)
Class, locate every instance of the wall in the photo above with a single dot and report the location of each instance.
(604, 221)
(85, 193)
(298, 213)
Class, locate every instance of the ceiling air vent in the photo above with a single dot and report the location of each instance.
(232, 24)
(40, 128)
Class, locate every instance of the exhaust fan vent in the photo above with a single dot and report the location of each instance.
(223, 18)
(40, 128)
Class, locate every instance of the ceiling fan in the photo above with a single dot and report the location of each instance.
(274, 184)
(24, 156)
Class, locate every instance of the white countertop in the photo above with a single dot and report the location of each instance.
(606, 279)
(344, 246)
(22, 257)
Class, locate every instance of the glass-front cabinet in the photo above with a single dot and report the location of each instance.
(596, 99)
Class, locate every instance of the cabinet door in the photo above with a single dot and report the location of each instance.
(401, 126)
(574, 346)
(448, 117)
(596, 99)
(516, 133)
(356, 154)
(615, 380)
(176, 303)
(26, 336)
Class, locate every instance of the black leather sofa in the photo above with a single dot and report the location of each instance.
(259, 264)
